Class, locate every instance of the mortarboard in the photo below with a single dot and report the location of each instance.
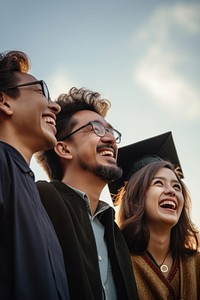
(135, 156)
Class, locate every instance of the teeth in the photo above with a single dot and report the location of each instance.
(50, 120)
(168, 204)
(106, 153)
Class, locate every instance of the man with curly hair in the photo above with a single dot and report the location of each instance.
(31, 260)
(80, 165)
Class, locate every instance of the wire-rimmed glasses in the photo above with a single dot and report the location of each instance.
(99, 129)
(42, 83)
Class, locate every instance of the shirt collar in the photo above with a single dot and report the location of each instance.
(102, 206)
(18, 158)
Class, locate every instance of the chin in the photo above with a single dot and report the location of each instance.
(108, 173)
(170, 222)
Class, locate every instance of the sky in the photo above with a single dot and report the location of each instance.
(141, 55)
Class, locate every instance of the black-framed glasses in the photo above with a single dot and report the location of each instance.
(42, 83)
(99, 129)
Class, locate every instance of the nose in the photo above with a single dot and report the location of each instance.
(54, 107)
(170, 190)
(108, 137)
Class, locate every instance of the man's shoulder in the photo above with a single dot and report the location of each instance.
(55, 191)
(54, 186)
(42, 184)
(59, 204)
(11, 160)
(46, 189)
(50, 197)
(5, 149)
(3, 153)
(9, 153)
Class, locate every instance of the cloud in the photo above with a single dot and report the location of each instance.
(157, 69)
(187, 16)
(59, 82)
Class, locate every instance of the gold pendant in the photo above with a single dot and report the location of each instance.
(164, 268)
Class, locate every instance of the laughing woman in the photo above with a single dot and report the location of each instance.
(163, 242)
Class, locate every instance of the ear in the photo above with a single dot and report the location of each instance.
(62, 150)
(5, 104)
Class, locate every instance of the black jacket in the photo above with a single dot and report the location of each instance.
(69, 215)
(31, 260)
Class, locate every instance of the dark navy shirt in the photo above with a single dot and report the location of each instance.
(31, 261)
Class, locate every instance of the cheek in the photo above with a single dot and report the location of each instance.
(181, 201)
(152, 196)
(86, 153)
(152, 199)
(150, 205)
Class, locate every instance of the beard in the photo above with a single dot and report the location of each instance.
(105, 173)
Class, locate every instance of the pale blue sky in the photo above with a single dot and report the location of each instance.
(141, 55)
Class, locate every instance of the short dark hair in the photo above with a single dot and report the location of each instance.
(76, 100)
(132, 219)
(10, 63)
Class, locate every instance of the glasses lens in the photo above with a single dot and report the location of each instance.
(98, 128)
(45, 90)
(117, 136)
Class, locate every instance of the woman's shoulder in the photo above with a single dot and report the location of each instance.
(193, 260)
(197, 256)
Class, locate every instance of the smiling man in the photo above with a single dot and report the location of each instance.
(31, 260)
(83, 161)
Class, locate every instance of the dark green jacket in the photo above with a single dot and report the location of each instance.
(69, 215)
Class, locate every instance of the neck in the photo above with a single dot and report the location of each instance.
(159, 245)
(91, 186)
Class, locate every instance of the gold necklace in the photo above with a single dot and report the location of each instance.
(163, 267)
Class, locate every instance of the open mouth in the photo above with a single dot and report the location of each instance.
(108, 153)
(168, 204)
(49, 120)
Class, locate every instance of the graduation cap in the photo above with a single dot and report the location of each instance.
(135, 156)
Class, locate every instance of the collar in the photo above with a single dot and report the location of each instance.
(18, 158)
(102, 206)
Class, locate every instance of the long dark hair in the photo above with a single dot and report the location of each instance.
(132, 219)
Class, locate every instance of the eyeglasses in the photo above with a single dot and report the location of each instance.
(43, 85)
(99, 129)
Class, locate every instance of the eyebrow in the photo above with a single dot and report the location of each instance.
(163, 178)
(100, 121)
